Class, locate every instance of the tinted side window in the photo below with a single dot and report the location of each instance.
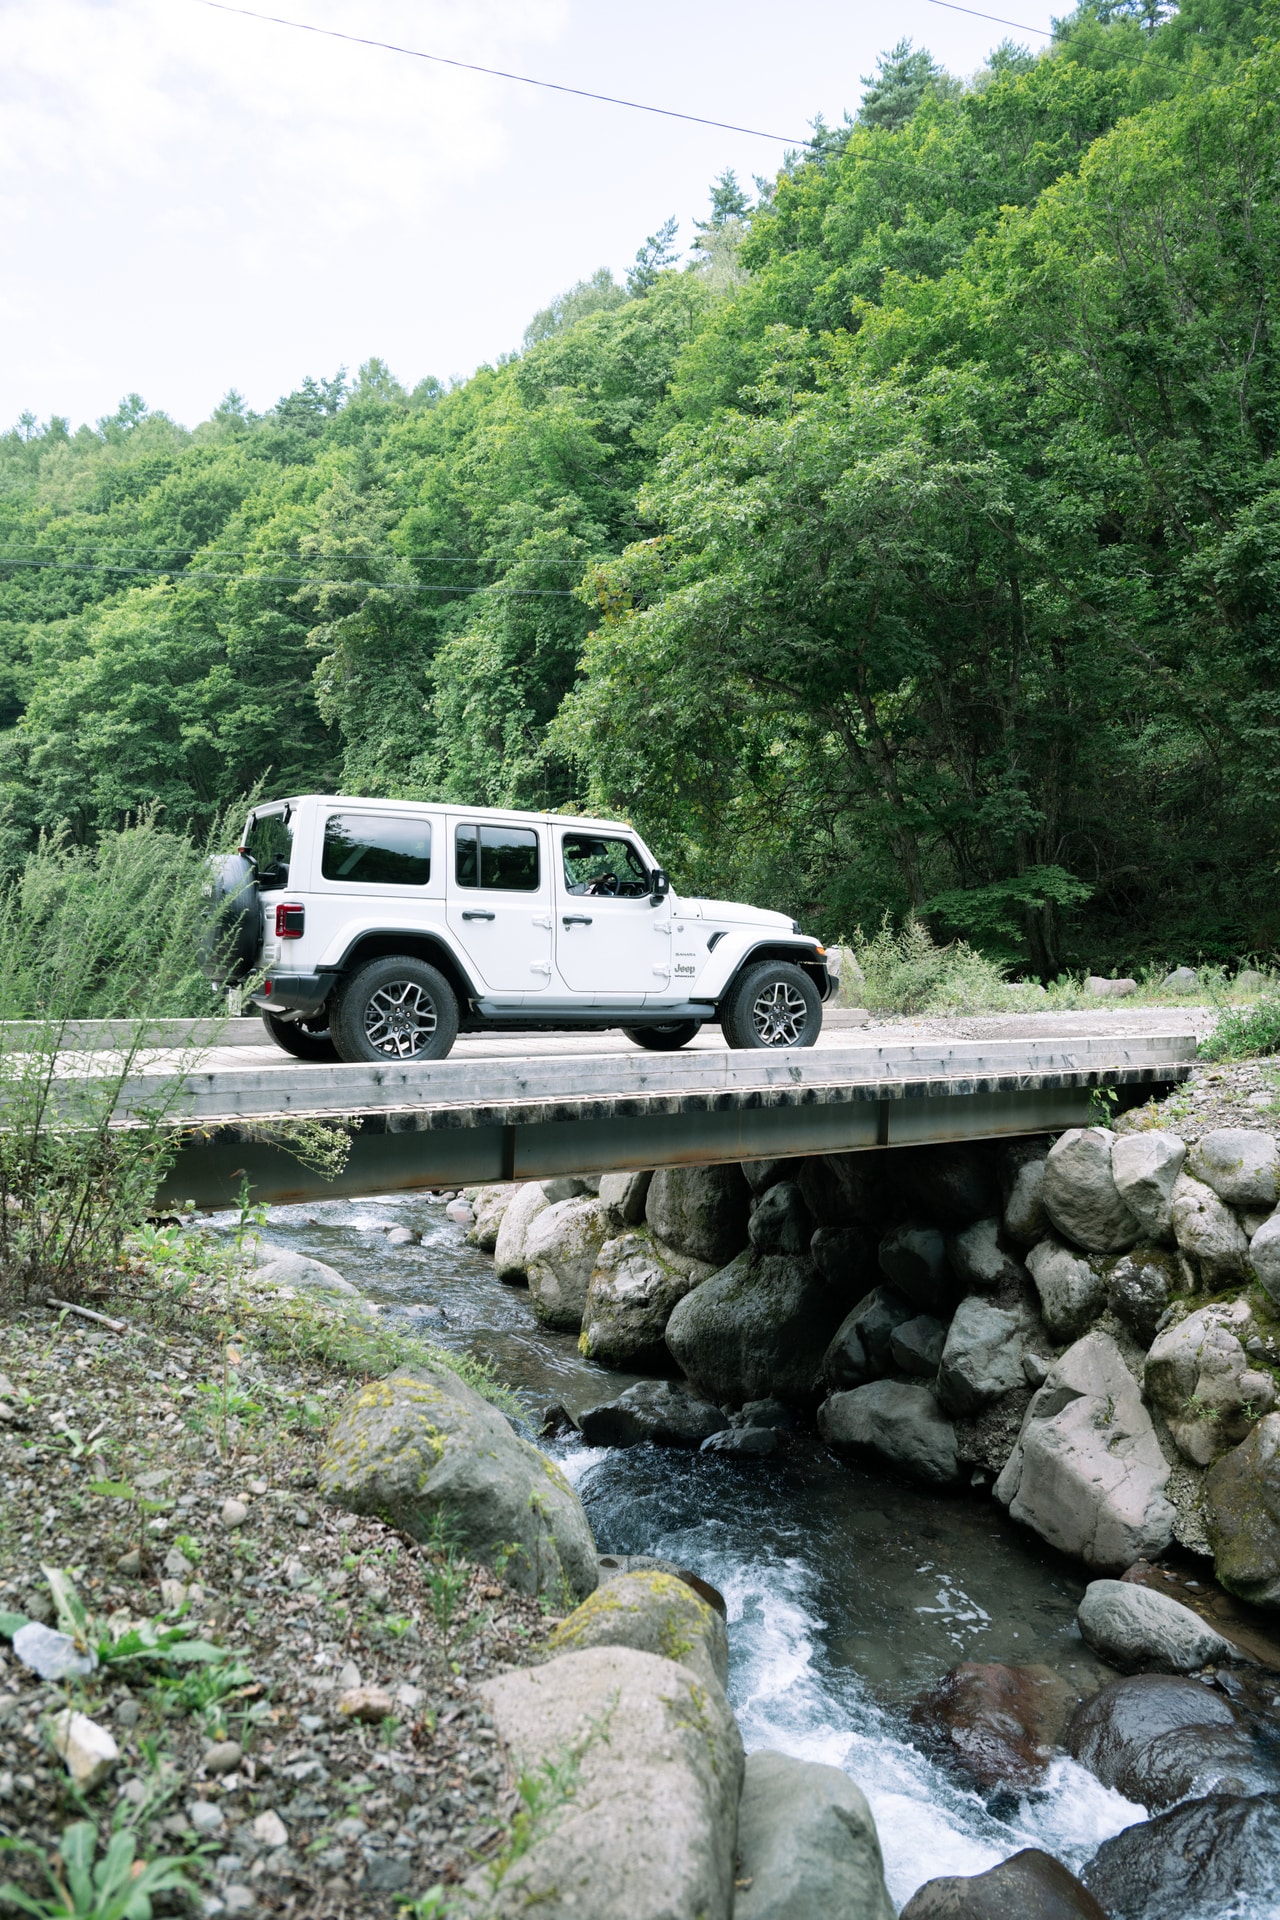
(368, 851)
(501, 857)
(595, 863)
(269, 844)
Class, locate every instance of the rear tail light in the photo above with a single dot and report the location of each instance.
(290, 922)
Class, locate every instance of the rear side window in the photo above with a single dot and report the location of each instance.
(505, 858)
(371, 850)
(269, 844)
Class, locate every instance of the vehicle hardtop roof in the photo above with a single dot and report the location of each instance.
(504, 816)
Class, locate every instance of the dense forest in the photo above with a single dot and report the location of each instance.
(913, 547)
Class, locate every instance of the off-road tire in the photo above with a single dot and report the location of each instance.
(773, 1005)
(308, 1039)
(664, 1039)
(395, 1010)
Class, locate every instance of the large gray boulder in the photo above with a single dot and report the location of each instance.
(655, 1612)
(846, 1259)
(781, 1222)
(1030, 1885)
(997, 1725)
(979, 1260)
(561, 1247)
(1144, 1167)
(1264, 1256)
(287, 1269)
(701, 1211)
(1087, 1473)
(1157, 1737)
(1133, 1626)
(840, 1189)
(1240, 1164)
(1200, 1377)
(982, 1358)
(491, 1204)
(807, 1845)
(518, 1216)
(632, 1292)
(1025, 1220)
(901, 1425)
(1072, 1291)
(861, 1348)
(1080, 1193)
(917, 1345)
(954, 1184)
(1141, 1285)
(913, 1258)
(647, 1828)
(756, 1330)
(1208, 1232)
(1214, 1856)
(658, 1413)
(421, 1448)
(626, 1194)
(1242, 1515)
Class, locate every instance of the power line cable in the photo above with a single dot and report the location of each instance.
(499, 73)
(1045, 33)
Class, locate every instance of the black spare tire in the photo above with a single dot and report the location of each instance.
(397, 1009)
(231, 933)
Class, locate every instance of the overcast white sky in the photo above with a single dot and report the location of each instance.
(192, 201)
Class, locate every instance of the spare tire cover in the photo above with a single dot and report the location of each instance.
(231, 934)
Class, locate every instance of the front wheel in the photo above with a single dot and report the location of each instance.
(304, 1039)
(774, 1004)
(664, 1039)
(395, 1009)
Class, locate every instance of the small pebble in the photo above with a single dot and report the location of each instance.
(223, 1757)
(349, 1676)
(233, 1513)
(295, 1574)
(366, 1703)
(130, 1563)
(205, 1817)
(240, 1900)
(270, 1829)
(128, 1714)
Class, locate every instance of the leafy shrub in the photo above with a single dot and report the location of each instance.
(1243, 1032)
(908, 972)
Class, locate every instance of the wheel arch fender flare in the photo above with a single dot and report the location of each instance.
(415, 942)
(797, 954)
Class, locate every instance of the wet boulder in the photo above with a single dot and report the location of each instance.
(916, 1346)
(1214, 1856)
(1242, 1515)
(743, 1443)
(1080, 1193)
(284, 1268)
(1141, 1286)
(845, 1257)
(422, 1446)
(490, 1205)
(1200, 1377)
(861, 1348)
(626, 1194)
(655, 1612)
(998, 1725)
(1138, 1627)
(1241, 1164)
(1157, 1738)
(1072, 1291)
(1030, 1885)
(902, 1426)
(1087, 1473)
(508, 1247)
(807, 1844)
(780, 1221)
(913, 1258)
(1145, 1167)
(633, 1289)
(978, 1260)
(561, 1247)
(1025, 1220)
(1208, 1232)
(757, 1329)
(661, 1413)
(982, 1358)
(648, 1832)
(699, 1211)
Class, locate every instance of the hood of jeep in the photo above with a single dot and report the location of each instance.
(732, 913)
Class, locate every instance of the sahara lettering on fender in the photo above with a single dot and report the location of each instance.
(774, 1004)
(395, 1009)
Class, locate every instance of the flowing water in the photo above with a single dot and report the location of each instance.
(847, 1592)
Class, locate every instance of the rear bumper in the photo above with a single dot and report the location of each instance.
(292, 993)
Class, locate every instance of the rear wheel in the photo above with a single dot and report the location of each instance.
(664, 1039)
(308, 1039)
(773, 1005)
(395, 1009)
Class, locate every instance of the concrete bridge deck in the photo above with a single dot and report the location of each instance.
(525, 1108)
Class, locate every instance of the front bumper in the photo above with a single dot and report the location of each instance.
(302, 993)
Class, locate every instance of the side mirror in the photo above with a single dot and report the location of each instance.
(659, 886)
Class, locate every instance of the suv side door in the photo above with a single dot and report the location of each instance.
(611, 944)
(499, 903)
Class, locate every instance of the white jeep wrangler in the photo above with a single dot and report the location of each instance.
(377, 930)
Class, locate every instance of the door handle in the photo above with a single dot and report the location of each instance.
(478, 913)
(576, 919)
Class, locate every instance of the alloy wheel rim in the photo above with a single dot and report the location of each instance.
(779, 1015)
(400, 1019)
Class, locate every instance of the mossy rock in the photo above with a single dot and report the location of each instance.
(1242, 1515)
(653, 1612)
(424, 1451)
